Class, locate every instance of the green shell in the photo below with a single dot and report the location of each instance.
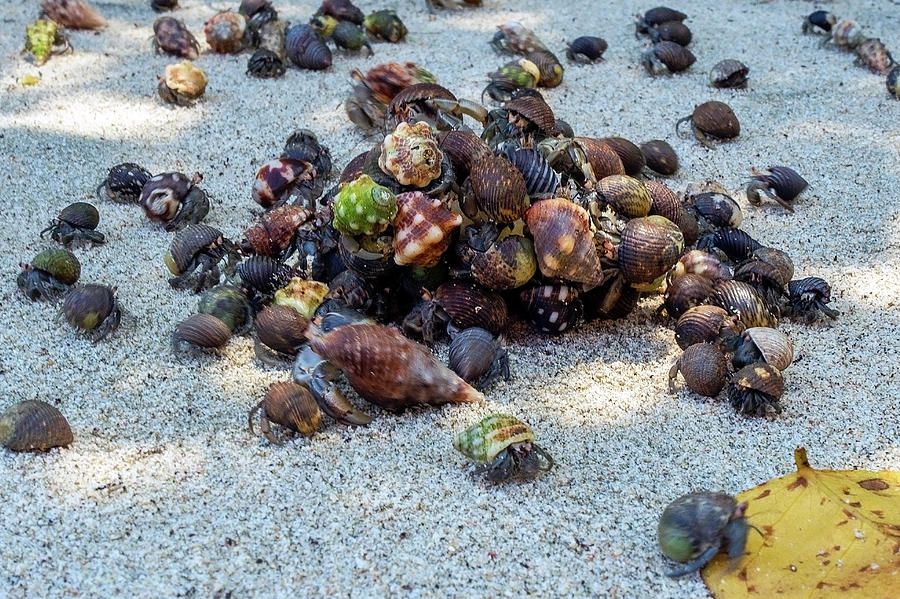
(61, 264)
(482, 442)
(690, 524)
(227, 303)
(39, 38)
(349, 36)
(363, 207)
(302, 295)
(507, 264)
(386, 25)
(521, 73)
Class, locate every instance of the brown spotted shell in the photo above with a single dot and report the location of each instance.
(225, 32)
(627, 196)
(390, 370)
(602, 158)
(202, 330)
(704, 367)
(410, 154)
(717, 119)
(499, 189)
(34, 425)
(275, 230)
(631, 156)
(276, 179)
(563, 241)
(649, 246)
(705, 324)
(470, 305)
(423, 228)
(552, 308)
(760, 377)
(660, 157)
(508, 263)
(281, 328)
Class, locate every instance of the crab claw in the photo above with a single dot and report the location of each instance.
(311, 371)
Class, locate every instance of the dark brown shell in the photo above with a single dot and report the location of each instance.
(717, 119)
(603, 159)
(671, 31)
(665, 201)
(563, 241)
(649, 246)
(464, 149)
(369, 257)
(289, 405)
(202, 330)
(88, 306)
(472, 352)
(541, 181)
(704, 368)
(534, 110)
(73, 14)
(729, 73)
(685, 292)
(755, 388)
(631, 156)
(34, 425)
(188, 242)
(660, 157)
(470, 305)
(717, 209)
(272, 235)
(390, 370)
(770, 266)
(342, 10)
(305, 48)
(705, 324)
(586, 48)
(172, 37)
(784, 181)
(499, 189)
(354, 168)
(742, 300)
(123, 183)
(401, 105)
(81, 215)
(281, 328)
(677, 58)
(659, 15)
(264, 274)
(552, 308)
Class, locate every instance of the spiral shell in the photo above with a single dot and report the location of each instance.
(515, 38)
(343, 10)
(563, 241)
(385, 24)
(187, 243)
(550, 71)
(472, 352)
(411, 155)
(422, 229)
(630, 154)
(671, 31)
(626, 195)
(302, 295)
(716, 119)
(705, 324)
(305, 48)
(701, 263)
(34, 425)
(289, 405)
(183, 83)
(603, 159)
(485, 440)
(172, 37)
(535, 111)
(162, 195)
(264, 274)
(703, 366)
(228, 304)
(729, 73)
(363, 207)
(649, 246)
(667, 57)
(685, 292)
(202, 330)
(552, 308)
(508, 263)
(470, 305)
(275, 231)
(742, 300)
(225, 32)
(540, 178)
(277, 179)
(499, 189)
(73, 14)
(658, 16)
(660, 157)
(81, 215)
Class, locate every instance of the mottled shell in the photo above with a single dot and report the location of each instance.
(485, 440)
(390, 370)
(472, 352)
(162, 195)
(742, 300)
(59, 263)
(123, 183)
(660, 157)
(292, 406)
(172, 37)
(34, 425)
(764, 344)
(499, 189)
(552, 308)
(349, 36)
(273, 234)
(701, 263)
(86, 307)
(729, 73)
(185, 82)
(228, 304)
(626, 195)
(302, 295)
(586, 48)
(281, 328)
(718, 209)
(704, 324)
(386, 25)
(703, 366)
(603, 159)
(187, 243)
(202, 330)
(717, 119)
(470, 305)
(563, 241)
(306, 49)
(276, 179)
(73, 14)
(516, 38)
(225, 32)
(755, 379)
(343, 10)
(363, 207)
(649, 246)
(411, 155)
(271, 38)
(847, 34)
(693, 523)
(42, 38)
(508, 263)
(423, 228)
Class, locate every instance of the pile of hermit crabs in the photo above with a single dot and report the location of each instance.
(443, 233)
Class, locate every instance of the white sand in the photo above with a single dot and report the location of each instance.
(164, 493)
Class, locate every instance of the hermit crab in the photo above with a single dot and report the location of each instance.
(712, 120)
(194, 255)
(44, 38)
(694, 527)
(478, 357)
(123, 183)
(183, 84)
(172, 37)
(76, 222)
(781, 183)
(174, 199)
(93, 310)
(290, 406)
(505, 449)
(808, 297)
(50, 273)
(34, 425)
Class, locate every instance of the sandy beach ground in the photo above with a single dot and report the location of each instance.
(164, 493)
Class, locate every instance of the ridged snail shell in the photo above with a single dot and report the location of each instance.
(499, 189)
(202, 330)
(649, 246)
(289, 405)
(305, 48)
(552, 308)
(73, 14)
(410, 154)
(764, 344)
(470, 305)
(281, 328)
(705, 324)
(172, 37)
(626, 195)
(586, 48)
(563, 241)
(703, 366)
(472, 352)
(34, 425)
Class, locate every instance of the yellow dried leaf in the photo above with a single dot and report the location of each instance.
(825, 533)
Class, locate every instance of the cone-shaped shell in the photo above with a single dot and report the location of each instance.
(563, 241)
(59, 263)
(305, 48)
(281, 328)
(390, 370)
(73, 14)
(302, 295)
(704, 367)
(499, 189)
(363, 207)
(203, 330)
(626, 195)
(410, 154)
(649, 246)
(34, 425)
(292, 406)
(423, 228)
(602, 158)
(485, 440)
(506, 264)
